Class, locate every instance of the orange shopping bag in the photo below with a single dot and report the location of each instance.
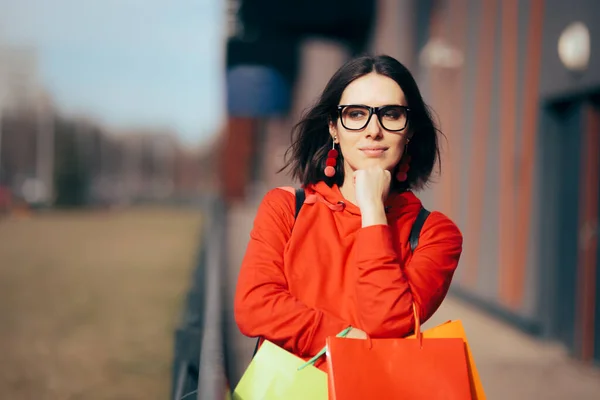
(410, 369)
(455, 329)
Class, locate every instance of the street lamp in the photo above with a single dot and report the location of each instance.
(574, 47)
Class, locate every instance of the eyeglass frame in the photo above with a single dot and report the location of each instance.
(373, 110)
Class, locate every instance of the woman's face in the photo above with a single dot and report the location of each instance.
(373, 145)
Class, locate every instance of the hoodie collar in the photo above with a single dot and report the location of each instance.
(395, 204)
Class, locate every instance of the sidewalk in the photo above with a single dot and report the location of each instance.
(512, 365)
(516, 366)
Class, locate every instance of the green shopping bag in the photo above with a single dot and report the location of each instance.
(275, 373)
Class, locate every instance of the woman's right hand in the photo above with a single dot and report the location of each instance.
(356, 333)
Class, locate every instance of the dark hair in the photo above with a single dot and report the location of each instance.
(311, 140)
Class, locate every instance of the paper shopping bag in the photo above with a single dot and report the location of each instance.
(408, 369)
(455, 329)
(398, 369)
(273, 374)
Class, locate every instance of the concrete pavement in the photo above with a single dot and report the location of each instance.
(512, 364)
(516, 366)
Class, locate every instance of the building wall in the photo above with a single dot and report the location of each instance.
(503, 167)
(19, 80)
(480, 105)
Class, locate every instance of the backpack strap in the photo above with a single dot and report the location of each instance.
(415, 232)
(300, 197)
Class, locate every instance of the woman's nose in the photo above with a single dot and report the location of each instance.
(374, 128)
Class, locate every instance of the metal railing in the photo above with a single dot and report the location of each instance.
(199, 368)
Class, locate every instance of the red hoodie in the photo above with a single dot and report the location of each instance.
(298, 286)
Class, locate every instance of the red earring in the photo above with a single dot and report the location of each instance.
(402, 173)
(331, 161)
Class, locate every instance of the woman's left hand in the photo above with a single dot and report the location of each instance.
(356, 333)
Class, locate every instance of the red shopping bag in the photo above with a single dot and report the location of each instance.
(408, 369)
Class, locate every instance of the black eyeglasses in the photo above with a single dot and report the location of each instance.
(356, 117)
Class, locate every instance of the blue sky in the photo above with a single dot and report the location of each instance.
(128, 62)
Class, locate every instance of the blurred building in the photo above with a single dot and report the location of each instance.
(516, 86)
(19, 80)
(517, 90)
(48, 158)
(147, 165)
(25, 129)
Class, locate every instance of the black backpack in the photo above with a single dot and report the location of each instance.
(413, 239)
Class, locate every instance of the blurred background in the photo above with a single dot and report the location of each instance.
(137, 139)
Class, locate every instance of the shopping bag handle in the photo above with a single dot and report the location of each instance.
(418, 332)
(323, 350)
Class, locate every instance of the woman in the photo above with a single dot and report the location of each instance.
(347, 261)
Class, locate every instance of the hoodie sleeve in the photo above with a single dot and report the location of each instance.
(263, 305)
(386, 289)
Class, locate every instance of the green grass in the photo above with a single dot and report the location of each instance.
(89, 302)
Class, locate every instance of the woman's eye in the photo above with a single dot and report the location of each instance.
(391, 115)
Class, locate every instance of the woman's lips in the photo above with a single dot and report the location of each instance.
(373, 151)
